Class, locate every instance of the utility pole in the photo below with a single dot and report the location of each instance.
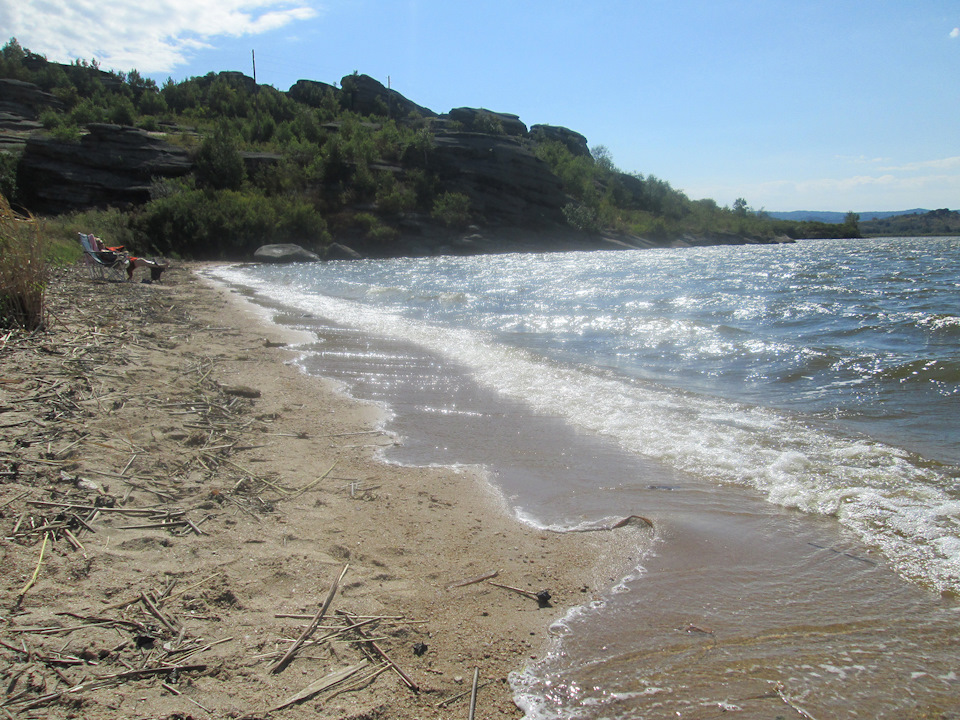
(256, 90)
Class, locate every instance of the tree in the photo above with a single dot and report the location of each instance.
(219, 164)
(740, 207)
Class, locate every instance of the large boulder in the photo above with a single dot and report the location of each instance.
(111, 165)
(284, 253)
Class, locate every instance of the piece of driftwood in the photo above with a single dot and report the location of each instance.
(36, 572)
(542, 597)
(321, 684)
(373, 646)
(312, 484)
(473, 580)
(473, 693)
(288, 657)
(450, 700)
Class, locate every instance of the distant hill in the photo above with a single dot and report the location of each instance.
(838, 217)
(932, 223)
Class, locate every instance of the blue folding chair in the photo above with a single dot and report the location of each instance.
(102, 264)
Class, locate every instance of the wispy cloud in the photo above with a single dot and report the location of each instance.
(955, 33)
(950, 163)
(153, 36)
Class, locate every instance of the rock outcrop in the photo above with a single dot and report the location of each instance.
(363, 94)
(574, 141)
(488, 122)
(112, 165)
(506, 183)
(20, 106)
(311, 92)
(22, 101)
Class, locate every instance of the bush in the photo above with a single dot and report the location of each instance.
(581, 217)
(452, 209)
(219, 164)
(23, 271)
(227, 223)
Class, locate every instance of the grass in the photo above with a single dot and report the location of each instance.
(24, 270)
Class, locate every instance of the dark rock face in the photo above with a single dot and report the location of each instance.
(111, 165)
(574, 141)
(20, 106)
(363, 94)
(506, 183)
(21, 100)
(487, 121)
(285, 253)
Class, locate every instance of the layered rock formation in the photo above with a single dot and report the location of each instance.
(111, 165)
(506, 183)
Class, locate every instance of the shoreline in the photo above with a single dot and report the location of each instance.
(177, 396)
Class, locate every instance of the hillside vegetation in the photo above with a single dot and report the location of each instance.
(934, 222)
(358, 164)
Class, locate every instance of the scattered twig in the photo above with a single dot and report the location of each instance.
(36, 572)
(379, 651)
(288, 657)
(473, 693)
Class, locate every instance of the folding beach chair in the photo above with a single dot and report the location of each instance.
(102, 264)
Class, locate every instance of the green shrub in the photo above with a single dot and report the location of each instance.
(581, 217)
(219, 164)
(452, 209)
(211, 223)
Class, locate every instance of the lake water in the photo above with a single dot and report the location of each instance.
(786, 416)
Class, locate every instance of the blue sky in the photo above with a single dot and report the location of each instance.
(801, 105)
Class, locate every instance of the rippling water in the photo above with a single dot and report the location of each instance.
(787, 416)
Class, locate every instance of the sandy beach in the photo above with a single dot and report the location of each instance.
(178, 501)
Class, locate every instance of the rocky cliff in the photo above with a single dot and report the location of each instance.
(112, 165)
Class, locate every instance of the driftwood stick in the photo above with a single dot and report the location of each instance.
(320, 479)
(36, 572)
(473, 693)
(473, 580)
(318, 686)
(379, 651)
(155, 611)
(285, 660)
(444, 703)
(13, 499)
(521, 591)
(189, 588)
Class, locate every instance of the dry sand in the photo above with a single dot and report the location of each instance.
(176, 400)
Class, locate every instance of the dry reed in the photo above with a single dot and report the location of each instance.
(24, 271)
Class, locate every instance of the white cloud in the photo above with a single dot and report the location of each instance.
(950, 163)
(153, 36)
(955, 33)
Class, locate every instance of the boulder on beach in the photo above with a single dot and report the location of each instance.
(284, 253)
